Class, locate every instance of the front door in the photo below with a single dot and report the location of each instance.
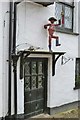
(35, 86)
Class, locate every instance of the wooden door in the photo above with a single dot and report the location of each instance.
(35, 86)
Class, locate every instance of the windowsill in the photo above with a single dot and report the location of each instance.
(76, 87)
(66, 31)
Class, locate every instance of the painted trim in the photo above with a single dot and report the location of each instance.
(66, 31)
(63, 108)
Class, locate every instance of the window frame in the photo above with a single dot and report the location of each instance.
(77, 82)
(62, 28)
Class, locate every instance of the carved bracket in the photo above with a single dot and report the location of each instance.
(25, 54)
(54, 60)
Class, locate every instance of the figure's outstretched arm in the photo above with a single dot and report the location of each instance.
(59, 23)
(45, 26)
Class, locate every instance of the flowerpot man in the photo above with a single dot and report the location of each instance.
(51, 30)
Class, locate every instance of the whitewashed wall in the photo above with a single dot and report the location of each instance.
(63, 83)
(68, 1)
(20, 89)
(4, 26)
(31, 18)
(79, 28)
(30, 21)
(1, 59)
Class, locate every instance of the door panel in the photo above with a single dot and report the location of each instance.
(35, 80)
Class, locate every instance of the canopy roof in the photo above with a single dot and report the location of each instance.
(45, 3)
(42, 2)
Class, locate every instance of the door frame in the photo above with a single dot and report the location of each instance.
(45, 62)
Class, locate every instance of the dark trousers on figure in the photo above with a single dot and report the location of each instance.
(57, 42)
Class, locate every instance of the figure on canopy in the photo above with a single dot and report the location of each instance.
(51, 30)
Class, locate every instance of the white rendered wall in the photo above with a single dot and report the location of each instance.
(79, 28)
(63, 83)
(3, 57)
(20, 89)
(30, 21)
(1, 36)
(4, 26)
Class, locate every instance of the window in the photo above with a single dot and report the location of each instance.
(77, 73)
(64, 12)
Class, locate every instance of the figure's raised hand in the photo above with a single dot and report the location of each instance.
(45, 26)
(59, 21)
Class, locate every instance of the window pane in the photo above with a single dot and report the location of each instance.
(40, 81)
(68, 17)
(33, 82)
(67, 12)
(33, 69)
(39, 67)
(58, 10)
(27, 68)
(27, 83)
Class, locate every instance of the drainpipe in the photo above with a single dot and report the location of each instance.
(15, 58)
(9, 68)
(14, 61)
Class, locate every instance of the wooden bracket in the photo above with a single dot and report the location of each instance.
(54, 60)
(27, 53)
(22, 60)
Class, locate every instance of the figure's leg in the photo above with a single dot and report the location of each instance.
(50, 43)
(57, 40)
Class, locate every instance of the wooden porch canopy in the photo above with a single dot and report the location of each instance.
(42, 2)
(45, 3)
(25, 54)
